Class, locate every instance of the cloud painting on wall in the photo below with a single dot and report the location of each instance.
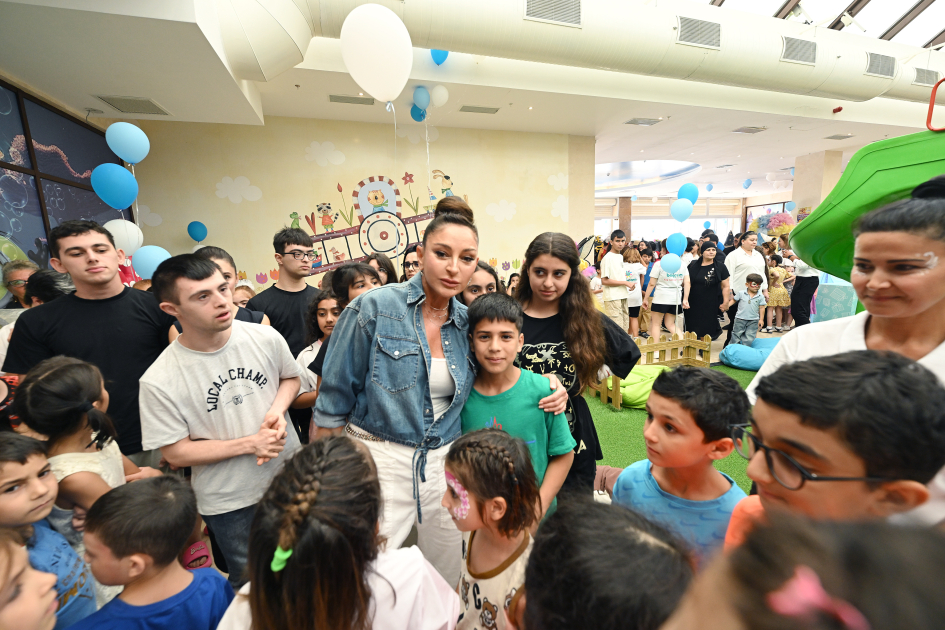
(559, 181)
(324, 153)
(559, 208)
(417, 133)
(236, 190)
(502, 211)
(147, 217)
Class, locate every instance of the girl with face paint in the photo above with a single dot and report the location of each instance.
(492, 495)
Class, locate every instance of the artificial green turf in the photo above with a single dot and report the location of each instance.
(621, 434)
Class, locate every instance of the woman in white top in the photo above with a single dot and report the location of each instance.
(741, 262)
(670, 295)
(899, 277)
(314, 555)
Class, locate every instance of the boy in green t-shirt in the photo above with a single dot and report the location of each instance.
(506, 397)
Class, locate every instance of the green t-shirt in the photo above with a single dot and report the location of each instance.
(516, 412)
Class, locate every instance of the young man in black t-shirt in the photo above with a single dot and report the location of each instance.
(118, 329)
(286, 303)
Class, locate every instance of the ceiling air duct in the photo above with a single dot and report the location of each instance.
(263, 38)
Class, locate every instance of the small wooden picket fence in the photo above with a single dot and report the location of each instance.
(676, 350)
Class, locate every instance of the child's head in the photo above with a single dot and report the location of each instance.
(138, 528)
(384, 267)
(646, 256)
(753, 282)
(323, 312)
(243, 294)
(62, 396)
(495, 328)
(603, 567)
(631, 255)
(484, 280)
(876, 419)
(774, 260)
(491, 483)
(809, 575)
(689, 414)
(618, 240)
(28, 488)
(314, 537)
(351, 280)
(28, 598)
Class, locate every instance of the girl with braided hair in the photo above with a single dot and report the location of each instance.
(315, 559)
(492, 496)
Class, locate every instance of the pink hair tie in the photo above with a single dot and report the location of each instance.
(803, 596)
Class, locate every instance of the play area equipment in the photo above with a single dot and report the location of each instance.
(751, 357)
(876, 175)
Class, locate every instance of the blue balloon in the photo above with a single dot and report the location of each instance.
(669, 263)
(127, 142)
(114, 185)
(439, 56)
(676, 244)
(792, 171)
(688, 191)
(633, 198)
(789, 206)
(197, 231)
(418, 114)
(421, 97)
(746, 184)
(681, 209)
(146, 260)
(707, 224)
(709, 187)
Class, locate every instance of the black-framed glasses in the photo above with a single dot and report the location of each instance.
(412, 265)
(299, 255)
(782, 466)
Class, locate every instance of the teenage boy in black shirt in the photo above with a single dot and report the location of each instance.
(286, 303)
(118, 329)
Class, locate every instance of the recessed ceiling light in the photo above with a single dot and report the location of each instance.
(529, 108)
(641, 150)
(360, 93)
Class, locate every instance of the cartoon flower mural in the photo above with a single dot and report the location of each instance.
(506, 266)
(274, 274)
(516, 264)
(412, 202)
(493, 262)
(261, 278)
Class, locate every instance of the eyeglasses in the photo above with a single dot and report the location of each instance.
(299, 255)
(412, 265)
(16, 283)
(782, 466)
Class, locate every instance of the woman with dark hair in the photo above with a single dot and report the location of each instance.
(411, 263)
(899, 279)
(400, 378)
(484, 280)
(708, 278)
(567, 336)
(384, 266)
(731, 244)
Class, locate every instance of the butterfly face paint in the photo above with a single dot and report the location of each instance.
(931, 260)
(462, 511)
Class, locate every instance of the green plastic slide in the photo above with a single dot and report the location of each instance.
(878, 174)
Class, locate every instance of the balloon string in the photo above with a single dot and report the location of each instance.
(390, 108)
(426, 132)
(134, 205)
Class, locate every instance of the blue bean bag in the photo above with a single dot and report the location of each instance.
(748, 358)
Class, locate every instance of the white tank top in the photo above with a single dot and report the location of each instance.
(442, 387)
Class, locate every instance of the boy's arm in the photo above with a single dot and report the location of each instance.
(555, 474)
(264, 444)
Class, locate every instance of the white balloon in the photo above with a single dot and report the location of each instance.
(377, 51)
(127, 235)
(439, 95)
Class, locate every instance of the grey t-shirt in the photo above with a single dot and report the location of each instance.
(221, 395)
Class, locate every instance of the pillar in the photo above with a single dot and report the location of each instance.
(815, 175)
(623, 215)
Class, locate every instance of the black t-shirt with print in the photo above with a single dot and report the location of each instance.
(122, 335)
(287, 311)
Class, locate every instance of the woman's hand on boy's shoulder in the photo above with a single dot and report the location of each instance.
(557, 402)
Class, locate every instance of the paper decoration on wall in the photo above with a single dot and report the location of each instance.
(559, 181)
(274, 274)
(502, 211)
(261, 278)
(240, 275)
(376, 194)
(506, 266)
(493, 262)
(559, 208)
(238, 189)
(324, 153)
(147, 217)
(295, 221)
(516, 264)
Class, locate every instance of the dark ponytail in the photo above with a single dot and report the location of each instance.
(922, 214)
(451, 211)
(56, 398)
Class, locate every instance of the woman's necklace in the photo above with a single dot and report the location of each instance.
(441, 315)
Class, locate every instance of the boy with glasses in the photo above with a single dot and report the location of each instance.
(849, 437)
(750, 301)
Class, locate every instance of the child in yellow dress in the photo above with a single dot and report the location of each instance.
(778, 296)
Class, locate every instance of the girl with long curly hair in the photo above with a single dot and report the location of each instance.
(567, 336)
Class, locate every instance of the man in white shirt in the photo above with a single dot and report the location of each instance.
(216, 400)
(806, 281)
(616, 286)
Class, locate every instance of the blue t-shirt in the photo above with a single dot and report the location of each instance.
(200, 606)
(702, 524)
(51, 553)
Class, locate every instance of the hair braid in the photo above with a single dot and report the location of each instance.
(300, 505)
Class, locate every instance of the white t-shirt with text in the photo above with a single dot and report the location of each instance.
(633, 273)
(668, 285)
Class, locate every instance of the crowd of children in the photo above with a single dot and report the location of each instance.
(233, 426)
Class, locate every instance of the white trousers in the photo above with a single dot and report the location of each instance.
(437, 536)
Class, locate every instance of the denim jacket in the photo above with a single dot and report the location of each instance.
(377, 370)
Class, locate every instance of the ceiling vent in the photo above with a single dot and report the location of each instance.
(473, 109)
(749, 130)
(799, 51)
(566, 12)
(839, 136)
(881, 65)
(926, 77)
(643, 122)
(134, 105)
(350, 100)
(699, 33)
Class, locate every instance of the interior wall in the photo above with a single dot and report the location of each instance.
(244, 183)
